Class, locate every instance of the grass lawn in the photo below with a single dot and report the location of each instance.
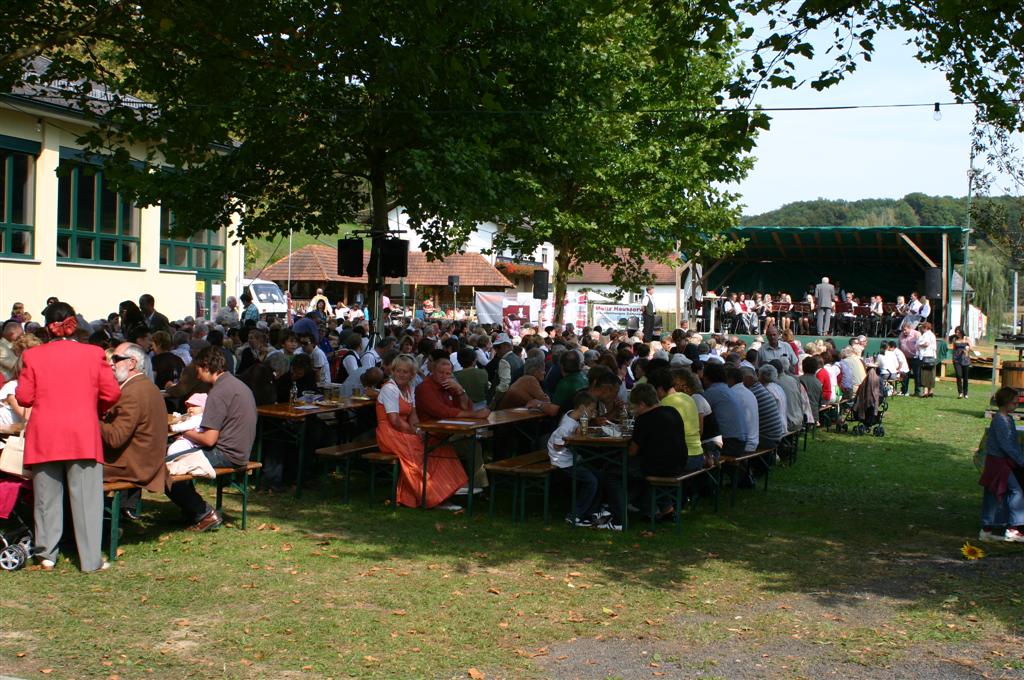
(850, 564)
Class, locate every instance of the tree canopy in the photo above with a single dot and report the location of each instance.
(604, 127)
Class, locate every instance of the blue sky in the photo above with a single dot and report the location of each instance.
(862, 153)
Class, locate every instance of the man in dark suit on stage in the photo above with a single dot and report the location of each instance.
(647, 303)
(824, 292)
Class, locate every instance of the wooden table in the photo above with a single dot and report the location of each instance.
(451, 428)
(286, 413)
(602, 448)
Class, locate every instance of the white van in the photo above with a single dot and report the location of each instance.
(268, 297)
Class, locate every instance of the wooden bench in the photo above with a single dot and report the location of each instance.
(342, 455)
(380, 461)
(671, 488)
(526, 472)
(736, 462)
(235, 477)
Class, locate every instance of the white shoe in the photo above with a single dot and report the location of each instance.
(989, 537)
(608, 525)
(1013, 536)
(448, 506)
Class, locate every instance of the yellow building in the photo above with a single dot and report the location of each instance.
(64, 232)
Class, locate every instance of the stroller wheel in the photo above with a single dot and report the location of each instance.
(26, 543)
(13, 557)
(859, 430)
(879, 431)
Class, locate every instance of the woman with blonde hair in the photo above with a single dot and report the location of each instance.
(11, 412)
(398, 433)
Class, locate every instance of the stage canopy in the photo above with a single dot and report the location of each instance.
(886, 261)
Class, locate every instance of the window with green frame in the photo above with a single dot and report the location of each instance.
(17, 175)
(95, 224)
(201, 252)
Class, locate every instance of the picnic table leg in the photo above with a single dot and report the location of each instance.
(470, 473)
(734, 471)
(654, 507)
(547, 497)
(244, 489)
(423, 489)
(572, 495)
(679, 506)
(115, 524)
(301, 441)
(259, 450)
(625, 489)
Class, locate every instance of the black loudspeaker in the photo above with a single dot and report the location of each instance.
(453, 281)
(540, 284)
(933, 283)
(350, 257)
(394, 258)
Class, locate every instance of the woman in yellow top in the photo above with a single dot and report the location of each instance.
(661, 380)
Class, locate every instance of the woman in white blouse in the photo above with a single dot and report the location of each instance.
(926, 346)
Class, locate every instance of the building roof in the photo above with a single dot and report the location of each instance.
(320, 263)
(594, 273)
(844, 243)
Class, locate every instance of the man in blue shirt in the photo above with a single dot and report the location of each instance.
(726, 408)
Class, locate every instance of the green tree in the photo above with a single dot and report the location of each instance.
(626, 167)
(989, 277)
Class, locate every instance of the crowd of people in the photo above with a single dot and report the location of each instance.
(826, 309)
(686, 398)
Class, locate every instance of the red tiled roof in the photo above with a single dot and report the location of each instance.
(320, 263)
(596, 273)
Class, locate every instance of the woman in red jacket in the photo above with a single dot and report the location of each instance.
(67, 384)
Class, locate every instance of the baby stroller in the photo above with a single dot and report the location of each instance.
(867, 408)
(16, 539)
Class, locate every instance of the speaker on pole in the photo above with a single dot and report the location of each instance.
(540, 284)
(453, 281)
(933, 283)
(350, 257)
(394, 258)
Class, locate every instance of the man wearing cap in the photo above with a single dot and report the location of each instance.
(505, 368)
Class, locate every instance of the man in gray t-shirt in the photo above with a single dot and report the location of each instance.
(225, 436)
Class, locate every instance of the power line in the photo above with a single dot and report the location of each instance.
(553, 112)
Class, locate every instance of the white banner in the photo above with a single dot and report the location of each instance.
(613, 316)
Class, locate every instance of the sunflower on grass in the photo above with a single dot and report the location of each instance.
(972, 552)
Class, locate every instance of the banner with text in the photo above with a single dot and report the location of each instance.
(613, 316)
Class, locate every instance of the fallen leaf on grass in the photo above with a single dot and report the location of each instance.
(21, 655)
(371, 659)
(494, 591)
(286, 547)
(307, 668)
(47, 671)
(120, 552)
(475, 674)
(399, 612)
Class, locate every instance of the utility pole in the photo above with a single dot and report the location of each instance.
(964, 309)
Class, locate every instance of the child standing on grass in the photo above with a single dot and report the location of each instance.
(1003, 503)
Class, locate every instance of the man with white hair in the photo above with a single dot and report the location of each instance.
(228, 315)
(824, 292)
(134, 431)
(12, 330)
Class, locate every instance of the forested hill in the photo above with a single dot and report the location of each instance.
(911, 210)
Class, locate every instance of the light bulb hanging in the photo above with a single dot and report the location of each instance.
(937, 112)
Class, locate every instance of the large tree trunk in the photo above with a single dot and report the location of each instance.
(562, 261)
(378, 231)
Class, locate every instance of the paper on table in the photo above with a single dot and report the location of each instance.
(308, 407)
(457, 422)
